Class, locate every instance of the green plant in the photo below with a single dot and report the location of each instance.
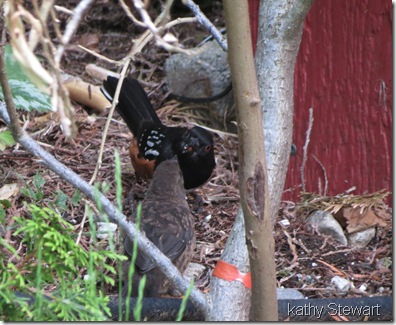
(131, 271)
(58, 201)
(6, 139)
(183, 304)
(52, 259)
(35, 192)
(25, 94)
(55, 279)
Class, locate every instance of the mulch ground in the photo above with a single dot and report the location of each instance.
(304, 260)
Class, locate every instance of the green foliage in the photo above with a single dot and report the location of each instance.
(25, 94)
(6, 140)
(131, 269)
(117, 174)
(4, 204)
(46, 282)
(52, 259)
(58, 201)
(184, 302)
(139, 302)
(36, 192)
(76, 198)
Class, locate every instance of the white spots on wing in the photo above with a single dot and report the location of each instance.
(151, 141)
(151, 152)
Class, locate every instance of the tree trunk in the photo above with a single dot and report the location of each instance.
(279, 37)
(275, 60)
(230, 301)
(252, 165)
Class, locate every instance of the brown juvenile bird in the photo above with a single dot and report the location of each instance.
(167, 221)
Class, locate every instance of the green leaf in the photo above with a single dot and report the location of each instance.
(6, 139)
(61, 200)
(75, 200)
(38, 181)
(2, 216)
(5, 203)
(25, 94)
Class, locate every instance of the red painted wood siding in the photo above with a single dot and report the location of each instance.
(344, 72)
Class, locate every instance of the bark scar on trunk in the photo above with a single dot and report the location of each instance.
(255, 192)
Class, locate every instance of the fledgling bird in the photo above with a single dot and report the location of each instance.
(167, 221)
(154, 142)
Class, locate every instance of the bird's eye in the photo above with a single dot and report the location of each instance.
(188, 148)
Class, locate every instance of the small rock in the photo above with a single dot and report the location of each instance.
(309, 279)
(341, 284)
(385, 262)
(285, 222)
(104, 228)
(287, 293)
(361, 238)
(205, 73)
(363, 288)
(193, 271)
(325, 224)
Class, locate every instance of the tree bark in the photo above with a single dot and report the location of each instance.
(279, 37)
(230, 301)
(252, 170)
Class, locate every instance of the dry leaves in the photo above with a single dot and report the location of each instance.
(357, 220)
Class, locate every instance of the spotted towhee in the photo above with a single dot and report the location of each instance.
(167, 221)
(154, 142)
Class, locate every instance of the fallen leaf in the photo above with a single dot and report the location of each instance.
(357, 220)
(8, 190)
(89, 41)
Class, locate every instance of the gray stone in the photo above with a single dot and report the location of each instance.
(204, 73)
(361, 238)
(287, 293)
(341, 284)
(326, 225)
(104, 229)
(193, 271)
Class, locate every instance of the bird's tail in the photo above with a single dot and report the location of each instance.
(133, 103)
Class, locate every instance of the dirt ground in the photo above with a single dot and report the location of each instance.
(304, 260)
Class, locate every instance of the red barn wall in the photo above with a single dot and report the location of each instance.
(344, 72)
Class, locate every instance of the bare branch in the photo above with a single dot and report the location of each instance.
(11, 118)
(43, 14)
(324, 175)
(166, 42)
(71, 27)
(204, 21)
(253, 175)
(108, 121)
(305, 148)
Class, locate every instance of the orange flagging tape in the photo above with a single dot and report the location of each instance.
(230, 272)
